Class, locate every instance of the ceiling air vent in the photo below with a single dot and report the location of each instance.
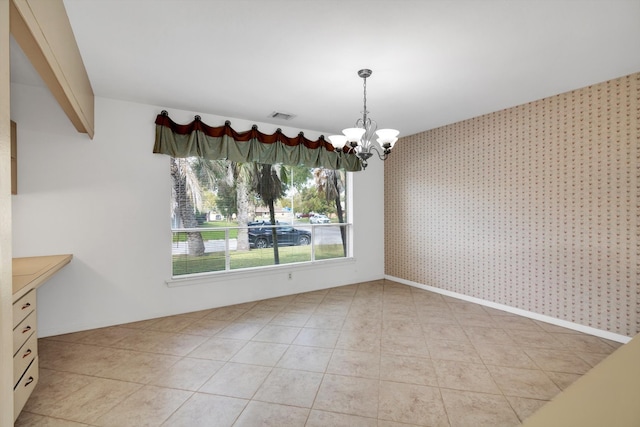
(282, 116)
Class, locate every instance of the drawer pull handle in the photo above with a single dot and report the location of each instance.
(26, 353)
(27, 329)
(29, 381)
(26, 305)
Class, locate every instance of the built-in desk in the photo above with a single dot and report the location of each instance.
(28, 274)
(606, 396)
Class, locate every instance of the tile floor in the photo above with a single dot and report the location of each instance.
(371, 354)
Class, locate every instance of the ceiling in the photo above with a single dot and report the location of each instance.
(433, 62)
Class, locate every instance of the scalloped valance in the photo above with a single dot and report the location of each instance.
(197, 139)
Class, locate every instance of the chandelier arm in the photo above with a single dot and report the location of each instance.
(382, 156)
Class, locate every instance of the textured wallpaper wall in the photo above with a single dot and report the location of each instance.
(535, 207)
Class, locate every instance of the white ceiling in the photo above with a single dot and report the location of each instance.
(434, 62)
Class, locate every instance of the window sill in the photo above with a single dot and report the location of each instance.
(206, 278)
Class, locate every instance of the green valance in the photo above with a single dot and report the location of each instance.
(197, 139)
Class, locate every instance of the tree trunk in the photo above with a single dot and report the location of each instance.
(244, 211)
(186, 211)
(343, 231)
(274, 232)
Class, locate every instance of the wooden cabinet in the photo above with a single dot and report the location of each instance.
(25, 350)
(28, 275)
(14, 158)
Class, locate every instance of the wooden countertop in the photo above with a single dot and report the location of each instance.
(31, 272)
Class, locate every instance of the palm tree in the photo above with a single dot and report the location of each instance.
(191, 176)
(186, 197)
(241, 175)
(331, 183)
(268, 186)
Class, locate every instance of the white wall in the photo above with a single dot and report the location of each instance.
(106, 201)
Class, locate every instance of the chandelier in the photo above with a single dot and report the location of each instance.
(358, 139)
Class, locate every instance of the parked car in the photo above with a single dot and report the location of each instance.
(261, 236)
(319, 219)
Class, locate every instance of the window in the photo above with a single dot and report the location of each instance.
(229, 216)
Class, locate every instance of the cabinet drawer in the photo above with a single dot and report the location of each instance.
(23, 358)
(25, 387)
(23, 307)
(23, 331)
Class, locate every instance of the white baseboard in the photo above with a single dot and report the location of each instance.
(530, 314)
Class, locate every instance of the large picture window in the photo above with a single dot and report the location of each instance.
(230, 216)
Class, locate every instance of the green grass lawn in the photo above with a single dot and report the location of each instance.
(215, 261)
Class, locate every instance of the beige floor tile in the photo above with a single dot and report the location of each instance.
(562, 379)
(207, 327)
(73, 357)
(317, 338)
(503, 355)
(467, 307)
(407, 369)
(402, 327)
(277, 334)
(592, 358)
(309, 298)
(327, 309)
(325, 321)
(187, 374)
(363, 323)
(53, 386)
(359, 341)
(437, 317)
(236, 380)
(488, 336)
(584, 342)
(530, 383)
(227, 313)
(355, 364)
(444, 331)
(459, 351)
(148, 406)
(161, 342)
(89, 403)
(240, 331)
(464, 376)
(314, 359)
(535, 339)
(404, 345)
(290, 387)
(515, 322)
(524, 407)
(260, 353)
(558, 360)
(291, 318)
(332, 419)
(107, 336)
(134, 366)
(257, 315)
(272, 415)
(175, 323)
(299, 307)
(351, 353)
(348, 395)
(410, 403)
(216, 348)
(475, 319)
(27, 419)
(142, 324)
(469, 409)
(206, 410)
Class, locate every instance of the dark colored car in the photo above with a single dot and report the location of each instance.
(262, 237)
